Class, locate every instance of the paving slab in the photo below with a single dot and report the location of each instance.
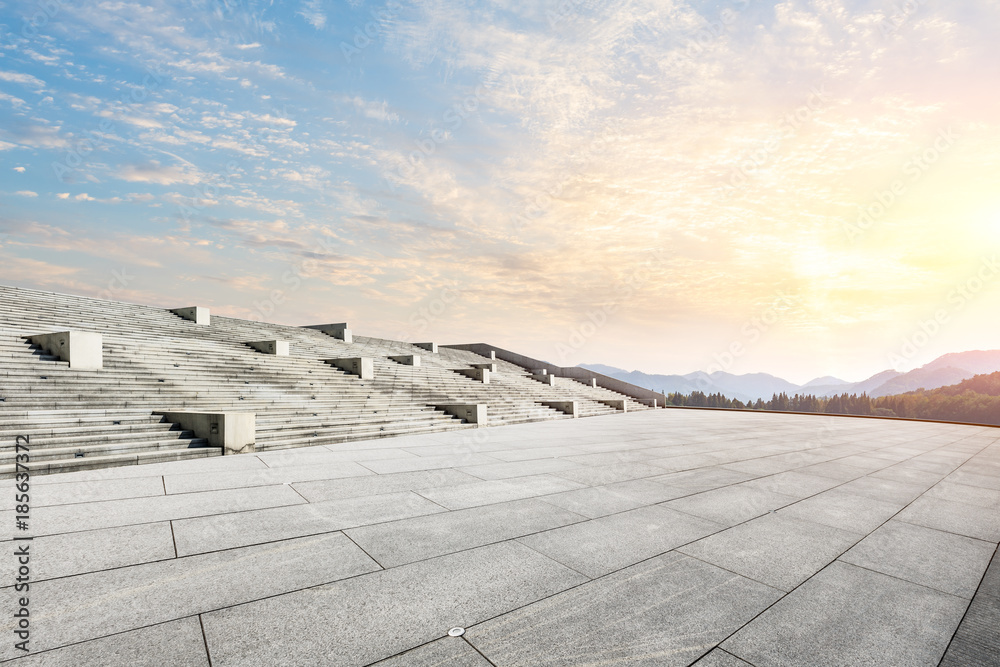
(174, 644)
(369, 618)
(855, 617)
(95, 491)
(461, 496)
(593, 502)
(663, 612)
(506, 470)
(943, 561)
(719, 658)
(843, 510)
(94, 550)
(88, 606)
(963, 493)
(704, 479)
(600, 546)
(793, 483)
(409, 540)
(961, 518)
(732, 504)
(210, 481)
(240, 529)
(597, 475)
(58, 519)
(445, 652)
(410, 464)
(885, 490)
(377, 485)
(779, 551)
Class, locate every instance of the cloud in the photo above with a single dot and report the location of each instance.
(26, 193)
(15, 101)
(19, 170)
(311, 11)
(376, 110)
(25, 79)
(243, 47)
(154, 172)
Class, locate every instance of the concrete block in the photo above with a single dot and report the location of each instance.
(276, 347)
(430, 347)
(492, 368)
(480, 374)
(82, 349)
(406, 359)
(234, 432)
(474, 413)
(197, 314)
(492, 354)
(568, 407)
(363, 367)
(545, 379)
(615, 403)
(338, 331)
(539, 371)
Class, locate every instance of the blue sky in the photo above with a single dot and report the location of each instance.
(669, 186)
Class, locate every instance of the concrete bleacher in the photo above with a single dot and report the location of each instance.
(156, 360)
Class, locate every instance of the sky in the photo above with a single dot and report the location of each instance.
(804, 188)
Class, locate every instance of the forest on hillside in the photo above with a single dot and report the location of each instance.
(976, 400)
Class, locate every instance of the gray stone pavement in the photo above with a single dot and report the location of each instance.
(668, 537)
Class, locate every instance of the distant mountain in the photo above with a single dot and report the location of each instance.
(946, 370)
(826, 381)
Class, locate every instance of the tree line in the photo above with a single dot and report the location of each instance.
(976, 400)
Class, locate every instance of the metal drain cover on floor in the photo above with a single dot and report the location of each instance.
(456, 632)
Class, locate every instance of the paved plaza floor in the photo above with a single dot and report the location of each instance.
(668, 537)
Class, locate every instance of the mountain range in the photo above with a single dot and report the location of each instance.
(945, 370)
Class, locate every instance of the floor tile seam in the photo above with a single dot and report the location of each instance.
(782, 591)
(204, 639)
(475, 648)
(947, 532)
(107, 500)
(182, 518)
(903, 579)
(107, 636)
(966, 613)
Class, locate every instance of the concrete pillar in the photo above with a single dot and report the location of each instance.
(338, 331)
(590, 382)
(568, 407)
(480, 374)
(474, 413)
(615, 403)
(406, 359)
(234, 432)
(651, 402)
(275, 347)
(196, 314)
(492, 368)
(82, 349)
(363, 367)
(430, 347)
(545, 378)
(493, 354)
(539, 371)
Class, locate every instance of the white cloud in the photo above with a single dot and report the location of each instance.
(154, 172)
(312, 12)
(18, 77)
(19, 170)
(26, 193)
(243, 47)
(15, 101)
